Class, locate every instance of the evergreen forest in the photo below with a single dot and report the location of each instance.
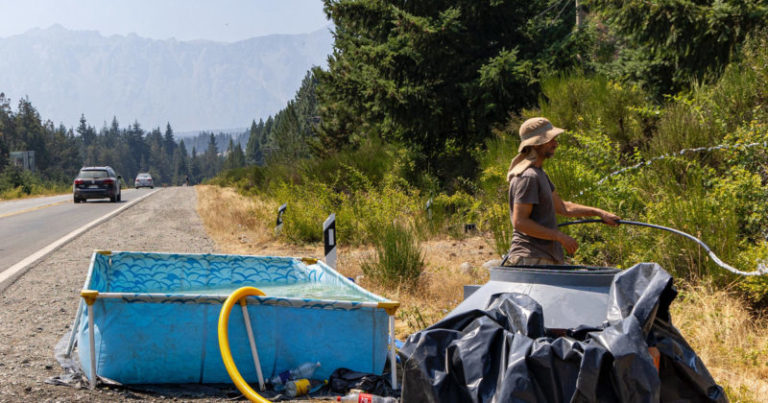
(419, 104)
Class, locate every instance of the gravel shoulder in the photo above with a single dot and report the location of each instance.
(38, 309)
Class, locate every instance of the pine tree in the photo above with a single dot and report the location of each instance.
(253, 153)
(436, 75)
(170, 144)
(211, 158)
(5, 126)
(666, 45)
(180, 164)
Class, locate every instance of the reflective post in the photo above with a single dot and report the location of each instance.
(329, 240)
(280, 212)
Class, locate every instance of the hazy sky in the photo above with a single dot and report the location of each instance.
(218, 20)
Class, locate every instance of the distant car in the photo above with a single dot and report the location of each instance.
(97, 183)
(143, 180)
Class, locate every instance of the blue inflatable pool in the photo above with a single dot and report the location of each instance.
(156, 314)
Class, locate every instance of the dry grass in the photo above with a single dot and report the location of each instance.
(241, 225)
(730, 340)
(238, 224)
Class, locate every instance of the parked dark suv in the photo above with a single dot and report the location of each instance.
(96, 183)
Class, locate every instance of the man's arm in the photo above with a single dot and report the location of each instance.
(521, 220)
(571, 209)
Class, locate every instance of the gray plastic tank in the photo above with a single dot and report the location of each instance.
(570, 296)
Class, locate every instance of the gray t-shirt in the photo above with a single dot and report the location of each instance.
(534, 187)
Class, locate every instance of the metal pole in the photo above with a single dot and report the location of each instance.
(392, 363)
(75, 324)
(89, 296)
(252, 341)
(92, 343)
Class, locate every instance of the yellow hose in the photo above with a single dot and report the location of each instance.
(226, 354)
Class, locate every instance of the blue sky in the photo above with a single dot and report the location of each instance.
(217, 20)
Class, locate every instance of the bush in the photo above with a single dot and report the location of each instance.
(450, 213)
(400, 260)
(497, 220)
(16, 183)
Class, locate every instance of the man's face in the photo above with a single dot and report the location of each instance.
(547, 150)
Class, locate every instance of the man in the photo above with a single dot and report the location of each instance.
(533, 201)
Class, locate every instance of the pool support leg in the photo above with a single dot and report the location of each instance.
(254, 351)
(90, 298)
(392, 363)
(391, 307)
(75, 324)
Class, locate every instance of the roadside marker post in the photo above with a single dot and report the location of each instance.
(329, 240)
(429, 209)
(280, 212)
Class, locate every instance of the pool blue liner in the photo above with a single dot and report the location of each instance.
(151, 327)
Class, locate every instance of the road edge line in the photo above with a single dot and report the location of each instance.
(13, 273)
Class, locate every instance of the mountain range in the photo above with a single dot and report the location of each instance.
(193, 85)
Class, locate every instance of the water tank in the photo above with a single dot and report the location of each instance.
(570, 296)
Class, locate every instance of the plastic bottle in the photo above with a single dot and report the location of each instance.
(298, 387)
(365, 398)
(303, 371)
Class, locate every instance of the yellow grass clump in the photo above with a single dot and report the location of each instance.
(731, 341)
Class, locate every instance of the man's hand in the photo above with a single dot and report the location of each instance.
(569, 244)
(609, 218)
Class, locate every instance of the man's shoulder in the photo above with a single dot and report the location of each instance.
(533, 173)
(527, 177)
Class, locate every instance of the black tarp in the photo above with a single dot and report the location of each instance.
(503, 353)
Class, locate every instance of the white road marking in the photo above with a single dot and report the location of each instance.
(10, 275)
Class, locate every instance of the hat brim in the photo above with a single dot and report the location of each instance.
(544, 138)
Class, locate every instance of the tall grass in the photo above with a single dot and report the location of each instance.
(400, 260)
(728, 338)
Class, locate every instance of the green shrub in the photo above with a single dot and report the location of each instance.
(583, 103)
(16, 183)
(308, 208)
(496, 219)
(683, 125)
(400, 260)
(451, 212)
(753, 255)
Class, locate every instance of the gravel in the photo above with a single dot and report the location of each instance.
(38, 309)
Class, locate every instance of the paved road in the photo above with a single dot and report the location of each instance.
(29, 225)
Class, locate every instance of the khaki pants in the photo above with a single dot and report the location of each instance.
(529, 261)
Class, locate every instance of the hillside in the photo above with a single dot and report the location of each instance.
(197, 85)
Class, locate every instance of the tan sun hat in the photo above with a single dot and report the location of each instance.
(537, 131)
(533, 132)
